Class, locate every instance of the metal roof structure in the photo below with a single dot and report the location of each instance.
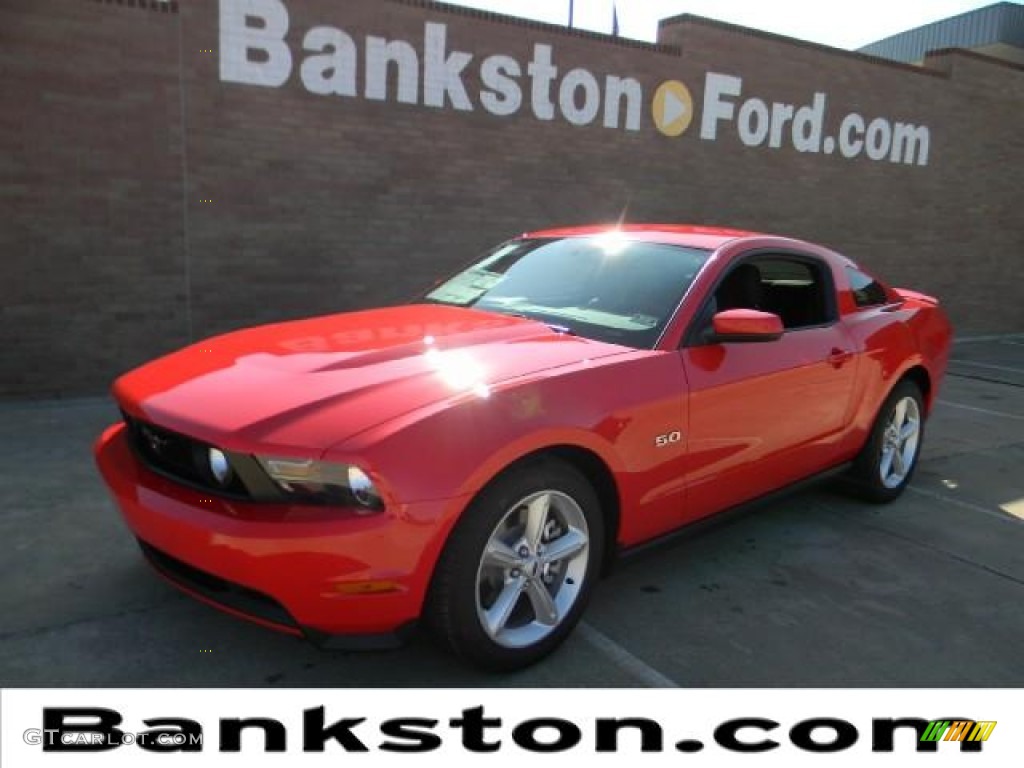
(995, 30)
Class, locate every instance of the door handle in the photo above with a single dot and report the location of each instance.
(837, 358)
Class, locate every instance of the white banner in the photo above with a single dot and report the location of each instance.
(785, 727)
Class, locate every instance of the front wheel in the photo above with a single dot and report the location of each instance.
(887, 461)
(518, 569)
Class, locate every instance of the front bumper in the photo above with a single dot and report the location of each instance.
(334, 577)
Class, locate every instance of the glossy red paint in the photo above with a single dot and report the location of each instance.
(434, 402)
(298, 555)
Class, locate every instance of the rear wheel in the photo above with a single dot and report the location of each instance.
(887, 462)
(518, 569)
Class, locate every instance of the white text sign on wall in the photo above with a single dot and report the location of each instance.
(254, 51)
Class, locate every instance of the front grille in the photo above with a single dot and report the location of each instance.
(183, 458)
(245, 601)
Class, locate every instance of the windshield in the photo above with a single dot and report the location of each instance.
(606, 287)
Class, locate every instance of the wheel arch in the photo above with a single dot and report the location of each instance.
(600, 476)
(592, 465)
(920, 376)
(436, 609)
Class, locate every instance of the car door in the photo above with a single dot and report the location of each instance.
(765, 414)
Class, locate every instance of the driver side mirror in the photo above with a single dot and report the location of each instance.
(741, 325)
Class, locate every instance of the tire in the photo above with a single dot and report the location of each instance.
(887, 461)
(519, 567)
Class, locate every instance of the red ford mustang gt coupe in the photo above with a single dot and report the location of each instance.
(476, 458)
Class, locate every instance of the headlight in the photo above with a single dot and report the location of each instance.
(323, 482)
(362, 488)
(220, 467)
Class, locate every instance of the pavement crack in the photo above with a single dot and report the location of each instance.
(37, 631)
(930, 547)
(927, 459)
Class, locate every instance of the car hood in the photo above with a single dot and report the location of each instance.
(308, 384)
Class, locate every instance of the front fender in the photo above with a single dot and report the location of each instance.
(612, 410)
(534, 443)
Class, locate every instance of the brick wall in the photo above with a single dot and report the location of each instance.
(117, 129)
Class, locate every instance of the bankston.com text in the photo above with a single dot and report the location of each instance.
(95, 729)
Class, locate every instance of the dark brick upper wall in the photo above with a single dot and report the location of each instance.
(327, 203)
(90, 191)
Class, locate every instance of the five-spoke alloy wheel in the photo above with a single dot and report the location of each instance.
(518, 569)
(887, 461)
(899, 442)
(532, 568)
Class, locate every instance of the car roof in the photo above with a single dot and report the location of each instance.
(687, 235)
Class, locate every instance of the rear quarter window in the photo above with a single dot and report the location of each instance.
(867, 292)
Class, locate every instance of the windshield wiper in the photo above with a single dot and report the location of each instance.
(556, 327)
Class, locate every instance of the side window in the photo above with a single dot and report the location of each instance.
(799, 289)
(796, 289)
(867, 292)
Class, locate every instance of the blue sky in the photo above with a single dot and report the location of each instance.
(846, 24)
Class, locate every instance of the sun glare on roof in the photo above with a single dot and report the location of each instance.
(611, 243)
